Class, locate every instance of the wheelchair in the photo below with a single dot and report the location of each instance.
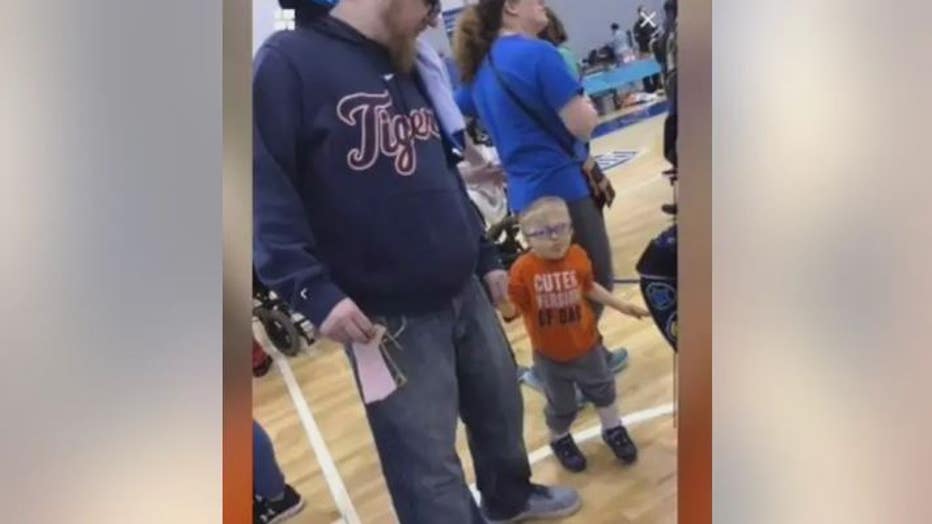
(287, 331)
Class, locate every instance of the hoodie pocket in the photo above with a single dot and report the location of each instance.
(421, 240)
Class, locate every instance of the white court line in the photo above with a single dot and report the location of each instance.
(324, 458)
(329, 469)
(634, 419)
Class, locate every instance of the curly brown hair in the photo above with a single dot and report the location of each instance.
(476, 31)
(555, 32)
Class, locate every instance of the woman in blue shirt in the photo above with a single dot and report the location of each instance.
(535, 160)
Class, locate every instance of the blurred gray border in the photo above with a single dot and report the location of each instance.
(694, 491)
(237, 260)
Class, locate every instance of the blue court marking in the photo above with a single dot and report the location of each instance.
(615, 158)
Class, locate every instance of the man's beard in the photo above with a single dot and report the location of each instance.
(403, 48)
(404, 54)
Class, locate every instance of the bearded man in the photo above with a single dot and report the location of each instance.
(362, 223)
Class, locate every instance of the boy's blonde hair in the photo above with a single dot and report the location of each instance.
(541, 207)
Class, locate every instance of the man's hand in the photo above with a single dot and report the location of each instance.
(346, 324)
(483, 174)
(509, 311)
(497, 282)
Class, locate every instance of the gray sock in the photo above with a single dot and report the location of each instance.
(557, 436)
(609, 417)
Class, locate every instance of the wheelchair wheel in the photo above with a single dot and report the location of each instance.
(281, 330)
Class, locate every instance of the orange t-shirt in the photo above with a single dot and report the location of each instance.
(551, 295)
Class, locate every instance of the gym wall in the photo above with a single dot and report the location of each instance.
(263, 21)
(588, 21)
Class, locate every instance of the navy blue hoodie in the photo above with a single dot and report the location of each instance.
(355, 192)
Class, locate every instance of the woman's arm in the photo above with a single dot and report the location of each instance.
(564, 94)
(580, 117)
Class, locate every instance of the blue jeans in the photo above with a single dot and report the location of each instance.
(267, 479)
(457, 362)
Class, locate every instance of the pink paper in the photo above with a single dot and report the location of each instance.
(375, 378)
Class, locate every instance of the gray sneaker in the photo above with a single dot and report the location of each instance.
(617, 360)
(546, 503)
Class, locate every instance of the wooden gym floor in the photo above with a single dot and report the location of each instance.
(642, 494)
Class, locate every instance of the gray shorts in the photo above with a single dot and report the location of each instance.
(590, 372)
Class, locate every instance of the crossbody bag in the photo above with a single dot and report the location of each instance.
(600, 188)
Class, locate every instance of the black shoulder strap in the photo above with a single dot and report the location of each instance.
(527, 110)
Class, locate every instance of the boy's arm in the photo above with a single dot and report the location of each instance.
(519, 298)
(594, 291)
(599, 294)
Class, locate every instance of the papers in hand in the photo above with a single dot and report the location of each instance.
(375, 379)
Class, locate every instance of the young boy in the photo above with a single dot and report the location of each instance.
(551, 287)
